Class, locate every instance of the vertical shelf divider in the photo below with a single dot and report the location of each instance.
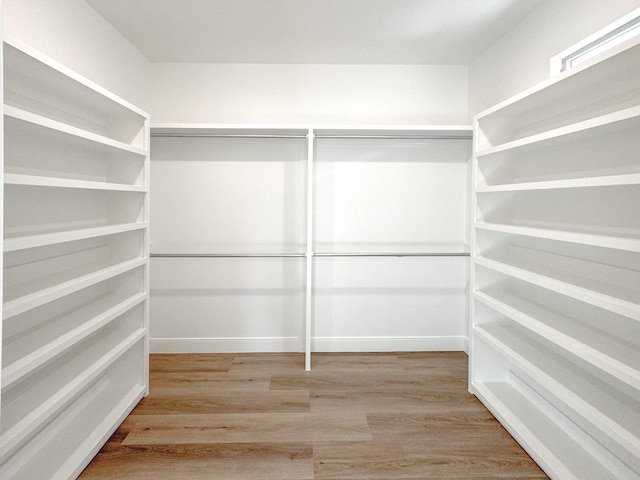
(309, 253)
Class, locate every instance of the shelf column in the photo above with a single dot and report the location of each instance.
(309, 253)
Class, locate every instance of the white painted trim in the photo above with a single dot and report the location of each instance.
(318, 344)
(388, 344)
(225, 345)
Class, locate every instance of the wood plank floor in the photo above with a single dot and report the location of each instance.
(354, 416)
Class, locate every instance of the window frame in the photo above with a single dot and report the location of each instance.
(613, 34)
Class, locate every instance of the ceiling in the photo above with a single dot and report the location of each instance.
(444, 32)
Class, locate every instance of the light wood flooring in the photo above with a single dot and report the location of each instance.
(354, 416)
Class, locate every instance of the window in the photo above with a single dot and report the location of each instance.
(619, 31)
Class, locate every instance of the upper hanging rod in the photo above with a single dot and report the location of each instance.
(392, 254)
(396, 137)
(300, 255)
(227, 255)
(226, 135)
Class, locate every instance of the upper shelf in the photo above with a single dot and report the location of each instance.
(324, 131)
(39, 84)
(603, 85)
(19, 118)
(627, 119)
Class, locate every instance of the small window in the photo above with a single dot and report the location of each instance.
(613, 34)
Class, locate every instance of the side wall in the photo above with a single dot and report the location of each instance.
(318, 94)
(520, 59)
(73, 33)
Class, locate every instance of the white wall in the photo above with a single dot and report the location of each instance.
(329, 94)
(73, 33)
(236, 195)
(520, 59)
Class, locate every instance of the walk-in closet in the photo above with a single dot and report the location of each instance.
(313, 239)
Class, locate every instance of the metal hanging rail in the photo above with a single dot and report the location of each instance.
(396, 137)
(227, 255)
(393, 254)
(224, 135)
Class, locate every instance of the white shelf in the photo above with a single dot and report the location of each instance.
(25, 302)
(111, 409)
(556, 267)
(627, 119)
(561, 451)
(587, 400)
(597, 239)
(22, 242)
(301, 130)
(37, 82)
(590, 341)
(35, 121)
(88, 422)
(75, 254)
(54, 182)
(56, 397)
(587, 182)
(28, 352)
(604, 84)
(617, 299)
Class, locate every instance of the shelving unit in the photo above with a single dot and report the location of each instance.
(75, 266)
(298, 180)
(555, 340)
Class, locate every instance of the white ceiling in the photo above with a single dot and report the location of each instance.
(313, 31)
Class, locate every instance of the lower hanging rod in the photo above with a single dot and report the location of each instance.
(395, 137)
(225, 135)
(393, 254)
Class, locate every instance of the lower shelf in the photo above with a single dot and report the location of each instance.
(601, 409)
(561, 449)
(64, 447)
(35, 402)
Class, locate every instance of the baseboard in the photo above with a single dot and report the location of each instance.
(387, 344)
(225, 345)
(318, 344)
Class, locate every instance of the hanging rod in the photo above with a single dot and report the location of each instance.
(394, 254)
(396, 137)
(224, 135)
(227, 255)
(302, 255)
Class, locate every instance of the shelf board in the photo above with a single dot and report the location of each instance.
(630, 244)
(54, 182)
(12, 115)
(591, 402)
(22, 242)
(627, 119)
(587, 182)
(26, 302)
(18, 434)
(331, 131)
(617, 60)
(65, 82)
(623, 301)
(552, 444)
(73, 328)
(613, 355)
(96, 436)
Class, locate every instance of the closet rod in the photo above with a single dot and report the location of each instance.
(397, 137)
(391, 254)
(302, 255)
(227, 255)
(223, 135)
